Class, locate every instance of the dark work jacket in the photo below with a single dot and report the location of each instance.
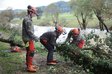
(28, 29)
(51, 37)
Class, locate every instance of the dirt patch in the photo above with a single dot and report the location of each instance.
(19, 67)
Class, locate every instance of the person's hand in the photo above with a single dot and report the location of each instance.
(44, 41)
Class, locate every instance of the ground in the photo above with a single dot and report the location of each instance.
(11, 65)
(40, 60)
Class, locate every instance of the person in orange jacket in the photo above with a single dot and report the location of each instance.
(76, 38)
(48, 40)
(29, 37)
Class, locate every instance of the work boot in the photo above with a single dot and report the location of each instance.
(35, 67)
(54, 61)
(31, 68)
(51, 63)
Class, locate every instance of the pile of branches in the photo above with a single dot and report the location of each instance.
(92, 58)
(88, 58)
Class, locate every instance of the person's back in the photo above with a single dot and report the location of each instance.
(48, 39)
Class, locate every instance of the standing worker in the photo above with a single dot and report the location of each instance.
(29, 37)
(48, 39)
(76, 38)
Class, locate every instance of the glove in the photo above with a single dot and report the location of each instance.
(44, 41)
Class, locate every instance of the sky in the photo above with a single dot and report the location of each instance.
(22, 4)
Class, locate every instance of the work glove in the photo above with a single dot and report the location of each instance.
(44, 41)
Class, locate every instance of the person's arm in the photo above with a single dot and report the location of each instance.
(81, 43)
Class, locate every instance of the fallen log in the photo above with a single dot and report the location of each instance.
(11, 42)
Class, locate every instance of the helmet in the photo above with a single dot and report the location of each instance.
(76, 31)
(31, 9)
(29, 6)
(59, 29)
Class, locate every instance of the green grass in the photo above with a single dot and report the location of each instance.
(3, 46)
(10, 63)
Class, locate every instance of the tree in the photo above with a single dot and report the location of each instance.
(53, 11)
(9, 13)
(5, 18)
(100, 9)
(21, 14)
(82, 9)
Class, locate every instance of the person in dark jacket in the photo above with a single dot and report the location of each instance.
(29, 37)
(76, 38)
(48, 40)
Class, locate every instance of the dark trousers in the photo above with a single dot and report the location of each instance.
(50, 49)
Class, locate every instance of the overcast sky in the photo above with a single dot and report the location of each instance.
(22, 4)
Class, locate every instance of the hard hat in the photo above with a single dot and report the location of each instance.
(29, 6)
(31, 9)
(76, 31)
(59, 29)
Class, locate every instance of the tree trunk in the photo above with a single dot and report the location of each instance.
(11, 42)
(83, 21)
(101, 21)
(80, 24)
(98, 15)
(101, 26)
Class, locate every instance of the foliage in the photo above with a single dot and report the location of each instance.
(21, 14)
(108, 40)
(10, 63)
(85, 8)
(3, 46)
(104, 6)
(54, 11)
(92, 58)
(82, 8)
(5, 18)
(15, 35)
(86, 58)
